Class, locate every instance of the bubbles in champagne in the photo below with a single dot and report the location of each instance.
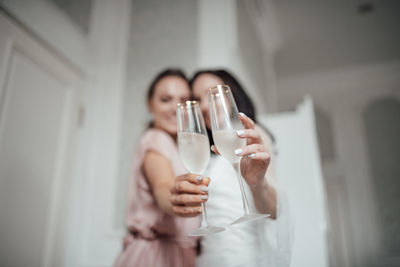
(194, 151)
(227, 142)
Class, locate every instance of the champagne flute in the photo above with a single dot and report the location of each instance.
(225, 123)
(194, 151)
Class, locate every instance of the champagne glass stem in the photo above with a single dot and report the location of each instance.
(236, 166)
(204, 222)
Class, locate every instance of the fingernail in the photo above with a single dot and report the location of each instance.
(242, 114)
(252, 155)
(238, 151)
(240, 132)
(199, 178)
(199, 210)
(204, 188)
(203, 197)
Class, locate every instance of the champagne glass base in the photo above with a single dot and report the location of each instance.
(206, 231)
(249, 218)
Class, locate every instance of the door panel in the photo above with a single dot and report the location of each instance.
(298, 172)
(38, 125)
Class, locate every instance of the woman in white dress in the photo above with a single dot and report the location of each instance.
(263, 242)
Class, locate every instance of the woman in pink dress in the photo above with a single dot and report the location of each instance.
(155, 236)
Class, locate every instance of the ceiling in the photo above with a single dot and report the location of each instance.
(323, 35)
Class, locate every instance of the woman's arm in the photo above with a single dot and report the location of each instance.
(160, 175)
(256, 165)
(265, 198)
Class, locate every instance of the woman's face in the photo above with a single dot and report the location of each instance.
(200, 92)
(168, 92)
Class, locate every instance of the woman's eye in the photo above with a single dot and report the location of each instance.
(165, 99)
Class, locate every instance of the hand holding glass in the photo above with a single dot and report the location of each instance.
(194, 151)
(225, 123)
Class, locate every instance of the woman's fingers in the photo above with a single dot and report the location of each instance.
(187, 199)
(254, 151)
(193, 178)
(187, 211)
(253, 134)
(188, 187)
(250, 133)
(260, 156)
(246, 121)
(189, 191)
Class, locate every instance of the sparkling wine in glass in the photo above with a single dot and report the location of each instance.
(225, 123)
(194, 151)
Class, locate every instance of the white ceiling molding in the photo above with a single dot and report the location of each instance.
(367, 77)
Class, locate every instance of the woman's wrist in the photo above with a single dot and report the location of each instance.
(260, 185)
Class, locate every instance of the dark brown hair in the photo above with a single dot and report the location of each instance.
(242, 99)
(165, 73)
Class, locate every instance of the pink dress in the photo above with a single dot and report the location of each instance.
(155, 238)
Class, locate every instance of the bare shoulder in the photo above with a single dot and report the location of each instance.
(156, 135)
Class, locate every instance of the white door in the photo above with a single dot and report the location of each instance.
(298, 173)
(39, 102)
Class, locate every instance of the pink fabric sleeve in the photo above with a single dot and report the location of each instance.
(159, 142)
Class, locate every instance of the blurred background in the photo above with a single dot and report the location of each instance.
(324, 75)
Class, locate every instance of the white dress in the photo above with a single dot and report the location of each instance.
(250, 244)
